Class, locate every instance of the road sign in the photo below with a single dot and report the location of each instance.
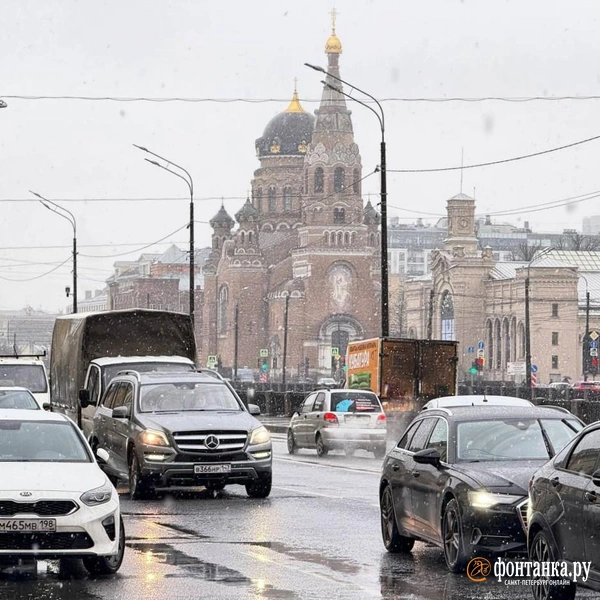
(533, 379)
(481, 345)
(593, 351)
(471, 349)
(335, 351)
(516, 368)
(594, 335)
(480, 353)
(593, 344)
(534, 368)
(264, 352)
(211, 360)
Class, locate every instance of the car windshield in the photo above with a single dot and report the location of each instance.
(17, 399)
(31, 377)
(355, 402)
(187, 396)
(41, 441)
(506, 439)
(145, 367)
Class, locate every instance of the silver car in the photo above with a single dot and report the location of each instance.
(339, 419)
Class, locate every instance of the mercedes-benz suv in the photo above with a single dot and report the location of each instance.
(165, 430)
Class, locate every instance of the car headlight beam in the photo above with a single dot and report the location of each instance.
(99, 495)
(151, 437)
(260, 436)
(485, 499)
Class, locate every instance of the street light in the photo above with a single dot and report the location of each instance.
(586, 357)
(385, 323)
(190, 183)
(68, 215)
(527, 319)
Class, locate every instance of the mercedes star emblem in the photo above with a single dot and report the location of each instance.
(212, 442)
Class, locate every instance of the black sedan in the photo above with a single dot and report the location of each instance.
(458, 478)
(564, 514)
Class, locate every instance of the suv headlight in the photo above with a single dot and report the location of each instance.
(260, 436)
(97, 496)
(151, 437)
(485, 499)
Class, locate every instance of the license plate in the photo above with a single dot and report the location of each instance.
(27, 525)
(199, 469)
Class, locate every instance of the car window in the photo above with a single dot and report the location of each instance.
(31, 377)
(308, 404)
(17, 399)
(355, 401)
(439, 438)
(119, 396)
(108, 398)
(560, 431)
(585, 454)
(182, 396)
(93, 385)
(419, 440)
(319, 402)
(41, 441)
(408, 435)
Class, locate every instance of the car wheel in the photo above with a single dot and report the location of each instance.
(139, 487)
(260, 488)
(380, 451)
(107, 565)
(541, 551)
(392, 540)
(322, 449)
(454, 553)
(291, 443)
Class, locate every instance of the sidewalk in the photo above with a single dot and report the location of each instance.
(275, 424)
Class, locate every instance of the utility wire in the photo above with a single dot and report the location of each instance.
(38, 276)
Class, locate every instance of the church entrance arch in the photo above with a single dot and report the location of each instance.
(335, 332)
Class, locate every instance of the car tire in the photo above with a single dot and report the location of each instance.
(107, 565)
(260, 488)
(392, 540)
(454, 552)
(380, 451)
(322, 449)
(292, 448)
(541, 551)
(139, 486)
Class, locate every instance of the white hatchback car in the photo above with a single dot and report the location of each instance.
(55, 501)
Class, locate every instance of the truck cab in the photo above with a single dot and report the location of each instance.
(27, 371)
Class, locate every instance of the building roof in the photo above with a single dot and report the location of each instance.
(462, 196)
(506, 270)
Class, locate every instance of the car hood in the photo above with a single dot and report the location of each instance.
(512, 474)
(199, 420)
(50, 477)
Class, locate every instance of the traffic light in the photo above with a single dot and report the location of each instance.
(473, 369)
(479, 363)
(265, 365)
(594, 366)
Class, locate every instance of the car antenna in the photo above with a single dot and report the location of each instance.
(484, 396)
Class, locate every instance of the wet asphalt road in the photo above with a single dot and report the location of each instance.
(317, 536)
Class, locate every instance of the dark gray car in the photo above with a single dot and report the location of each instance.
(166, 430)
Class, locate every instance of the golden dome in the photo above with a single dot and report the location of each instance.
(295, 106)
(333, 44)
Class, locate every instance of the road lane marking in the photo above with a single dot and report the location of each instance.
(328, 465)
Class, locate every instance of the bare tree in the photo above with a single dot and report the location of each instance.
(577, 241)
(526, 252)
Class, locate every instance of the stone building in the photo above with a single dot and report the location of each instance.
(470, 297)
(303, 249)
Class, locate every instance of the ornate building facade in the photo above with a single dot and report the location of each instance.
(303, 251)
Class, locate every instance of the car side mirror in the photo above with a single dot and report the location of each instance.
(254, 409)
(84, 398)
(102, 456)
(47, 406)
(596, 477)
(121, 412)
(428, 456)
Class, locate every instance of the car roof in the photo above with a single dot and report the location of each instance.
(14, 388)
(485, 413)
(476, 400)
(117, 360)
(155, 377)
(18, 360)
(19, 414)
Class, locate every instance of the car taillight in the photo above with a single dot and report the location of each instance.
(381, 419)
(330, 418)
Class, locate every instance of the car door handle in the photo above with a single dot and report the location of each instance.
(395, 467)
(555, 482)
(590, 496)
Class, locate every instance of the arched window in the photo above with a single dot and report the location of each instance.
(249, 237)
(331, 238)
(347, 238)
(340, 237)
(498, 344)
(287, 198)
(372, 240)
(222, 309)
(339, 183)
(326, 237)
(242, 237)
(319, 180)
(507, 340)
(339, 215)
(356, 182)
(490, 344)
(521, 340)
(271, 199)
(447, 314)
(306, 182)
(259, 199)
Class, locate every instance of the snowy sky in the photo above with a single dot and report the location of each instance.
(81, 151)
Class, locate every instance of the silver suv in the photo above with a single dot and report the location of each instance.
(181, 429)
(339, 419)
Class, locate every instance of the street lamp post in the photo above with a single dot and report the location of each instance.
(385, 323)
(68, 215)
(528, 320)
(586, 339)
(285, 338)
(236, 325)
(190, 183)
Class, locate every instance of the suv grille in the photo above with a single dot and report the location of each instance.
(522, 510)
(210, 442)
(43, 508)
